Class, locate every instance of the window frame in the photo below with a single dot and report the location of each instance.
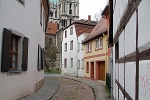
(78, 63)
(71, 62)
(71, 30)
(82, 63)
(66, 34)
(65, 46)
(100, 42)
(90, 46)
(12, 52)
(96, 44)
(71, 45)
(22, 51)
(65, 63)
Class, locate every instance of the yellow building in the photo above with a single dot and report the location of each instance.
(96, 52)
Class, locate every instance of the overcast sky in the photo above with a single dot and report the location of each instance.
(90, 7)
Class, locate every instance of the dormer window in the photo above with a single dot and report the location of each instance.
(97, 27)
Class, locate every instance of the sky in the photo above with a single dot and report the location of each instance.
(90, 7)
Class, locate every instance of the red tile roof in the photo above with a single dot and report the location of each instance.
(51, 28)
(99, 29)
(84, 26)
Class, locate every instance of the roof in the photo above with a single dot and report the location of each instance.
(81, 28)
(51, 28)
(98, 30)
(105, 11)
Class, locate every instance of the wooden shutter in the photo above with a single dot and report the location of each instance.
(42, 58)
(6, 47)
(38, 61)
(25, 54)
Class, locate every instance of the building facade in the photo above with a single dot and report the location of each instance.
(63, 12)
(22, 36)
(131, 75)
(96, 52)
(71, 62)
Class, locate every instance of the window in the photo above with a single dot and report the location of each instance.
(14, 52)
(82, 46)
(96, 43)
(71, 30)
(14, 45)
(71, 62)
(87, 67)
(65, 34)
(89, 47)
(100, 42)
(65, 46)
(56, 14)
(50, 41)
(41, 13)
(71, 45)
(65, 63)
(82, 63)
(78, 46)
(78, 63)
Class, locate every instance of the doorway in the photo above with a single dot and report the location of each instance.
(101, 70)
(92, 70)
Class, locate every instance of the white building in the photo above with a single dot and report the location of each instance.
(22, 36)
(72, 55)
(81, 54)
(131, 69)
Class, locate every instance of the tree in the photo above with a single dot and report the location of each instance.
(97, 15)
(50, 56)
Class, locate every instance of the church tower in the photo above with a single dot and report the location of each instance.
(68, 12)
(64, 12)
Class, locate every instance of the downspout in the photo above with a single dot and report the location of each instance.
(77, 56)
(111, 42)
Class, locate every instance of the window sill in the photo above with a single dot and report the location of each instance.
(98, 49)
(88, 51)
(14, 72)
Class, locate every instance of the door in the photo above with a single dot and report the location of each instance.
(92, 70)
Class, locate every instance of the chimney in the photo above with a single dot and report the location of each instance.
(89, 18)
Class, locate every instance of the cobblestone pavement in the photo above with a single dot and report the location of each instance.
(72, 90)
(49, 88)
(60, 87)
(98, 86)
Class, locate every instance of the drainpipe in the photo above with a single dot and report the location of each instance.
(111, 73)
(77, 56)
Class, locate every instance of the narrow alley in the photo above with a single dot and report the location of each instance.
(58, 87)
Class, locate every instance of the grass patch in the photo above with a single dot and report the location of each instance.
(108, 91)
(52, 72)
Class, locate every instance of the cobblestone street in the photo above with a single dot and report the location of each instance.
(58, 87)
(72, 90)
